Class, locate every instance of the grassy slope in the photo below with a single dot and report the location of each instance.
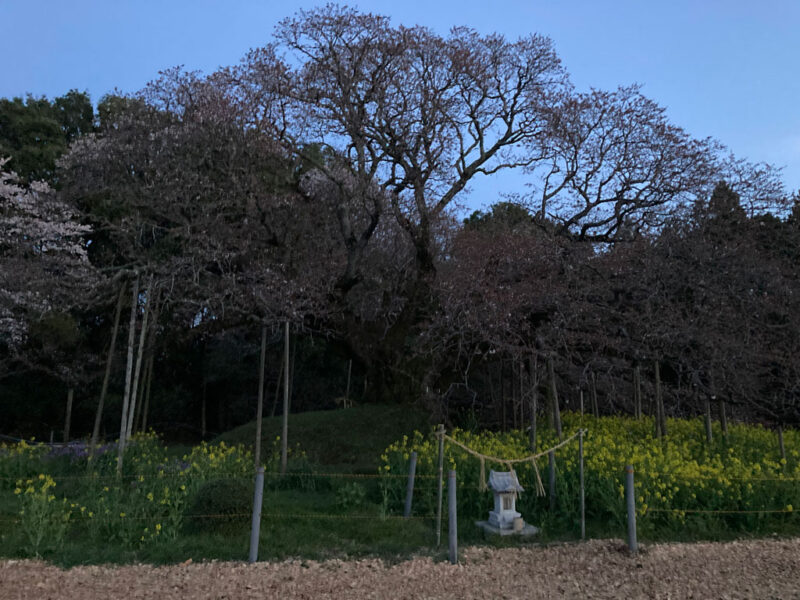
(349, 440)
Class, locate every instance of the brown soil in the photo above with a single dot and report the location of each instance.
(597, 569)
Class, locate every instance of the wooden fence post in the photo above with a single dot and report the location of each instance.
(583, 492)
(452, 530)
(255, 526)
(630, 498)
(439, 489)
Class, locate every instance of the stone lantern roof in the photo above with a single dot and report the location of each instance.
(504, 482)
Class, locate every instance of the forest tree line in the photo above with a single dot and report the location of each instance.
(149, 246)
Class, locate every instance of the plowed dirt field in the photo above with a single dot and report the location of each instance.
(596, 569)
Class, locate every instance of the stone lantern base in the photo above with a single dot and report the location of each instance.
(526, 530)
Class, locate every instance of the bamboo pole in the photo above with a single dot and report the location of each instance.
(128, 372)
(347, 389)
(581, 477)
(661, 420)
(139, 355)
(534, 401)
(109, 361)
(556, 412)
(285, 423)
(595, 404)
(723, 418)
(203, 408)
(277, 391)
(147, 391)
(68, 417)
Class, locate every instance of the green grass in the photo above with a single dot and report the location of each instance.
(331, 504)
(295, 524)
(348, 440)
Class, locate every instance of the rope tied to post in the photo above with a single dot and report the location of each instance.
(510, 462)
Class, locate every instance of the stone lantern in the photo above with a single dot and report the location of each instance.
(505, 487)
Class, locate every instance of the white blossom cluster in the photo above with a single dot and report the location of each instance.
(39, 234)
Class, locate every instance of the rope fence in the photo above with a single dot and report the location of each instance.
(510, 462)
(724, 477)
(331, 516)
(230, 475)
(351, 502)
(721, 512)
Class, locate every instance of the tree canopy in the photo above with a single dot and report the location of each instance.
(318, 182)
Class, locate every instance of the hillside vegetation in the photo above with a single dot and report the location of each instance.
(350, 439)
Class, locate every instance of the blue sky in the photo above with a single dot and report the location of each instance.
(723, 68)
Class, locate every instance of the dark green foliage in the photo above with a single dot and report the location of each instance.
(55, 332)
(31, 135)
(75, 114)
(351, 495)
(725, 203)
(35, 132)
(220, 503)
(502, 215)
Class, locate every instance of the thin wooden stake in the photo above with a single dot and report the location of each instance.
(452, 530)
(661, 425)
(128, 372)
(551, 476)
(534, 401)
(104, 389)
(203, 398)
(147, 390)
(139, 354)
(707, 419)
(68, 418)
(347, 389)
(580, 475)
(285, 420)
(556, 412)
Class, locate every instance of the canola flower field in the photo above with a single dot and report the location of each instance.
(70, 502)
(70, 490)
(738, 483)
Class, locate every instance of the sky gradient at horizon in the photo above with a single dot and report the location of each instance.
(722, 68)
